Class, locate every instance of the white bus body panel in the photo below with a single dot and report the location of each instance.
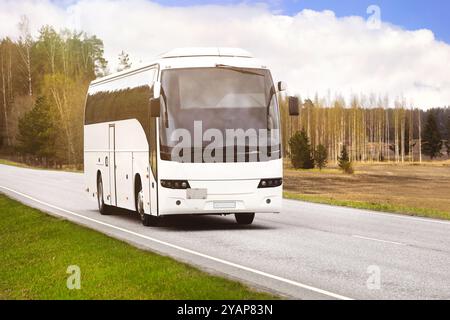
(131, 158)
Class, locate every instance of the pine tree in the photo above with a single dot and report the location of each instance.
(37, 136)
(124, 61)
(432, 140)
(344, 161)
(321, 156)
(301, 151)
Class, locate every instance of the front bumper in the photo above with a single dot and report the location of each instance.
(223, 197)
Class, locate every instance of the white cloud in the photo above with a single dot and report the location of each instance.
(312, 51)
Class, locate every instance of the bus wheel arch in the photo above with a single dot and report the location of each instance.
(137, 189)
(99, 175)
(102, 207)
(147, 219)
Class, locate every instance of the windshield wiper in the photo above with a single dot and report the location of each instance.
(238, 69)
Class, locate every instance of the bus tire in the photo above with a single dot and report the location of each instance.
(149, 221)
(102, 207)
(146, 219)
(244, 218)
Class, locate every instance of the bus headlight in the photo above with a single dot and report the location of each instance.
(175, 184)
(270, 183)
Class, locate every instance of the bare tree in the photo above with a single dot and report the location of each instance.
(10, 73)
(402, 132)
(5, 106)
(25, 44)
(420, 137)
(411, 134)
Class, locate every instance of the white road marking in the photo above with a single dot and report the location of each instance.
(232, 264)
(379, 240)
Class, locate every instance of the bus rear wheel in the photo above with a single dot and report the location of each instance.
(244, 218)
(146, 219)
(102, 207)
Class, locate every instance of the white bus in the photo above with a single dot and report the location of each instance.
(177, 137)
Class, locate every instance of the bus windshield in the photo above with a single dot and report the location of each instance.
(222, 100)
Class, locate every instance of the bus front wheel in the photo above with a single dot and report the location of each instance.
(244, 218)
(146, 219)
(102, 207)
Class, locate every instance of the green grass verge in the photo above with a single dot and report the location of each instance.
(24, 165)
(13, 163)
(36, 250)
(375, 206)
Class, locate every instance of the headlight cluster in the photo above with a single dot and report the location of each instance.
(175, 184)
(270, 183)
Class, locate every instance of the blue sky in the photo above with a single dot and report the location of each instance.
(412, 14)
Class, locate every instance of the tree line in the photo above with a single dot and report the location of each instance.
(368, 128)
(44, 81)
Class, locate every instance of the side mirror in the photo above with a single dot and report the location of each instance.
(293, 106)
(281, 86)
(156, 89)
(155, 107)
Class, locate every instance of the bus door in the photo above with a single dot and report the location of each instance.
(112, 165)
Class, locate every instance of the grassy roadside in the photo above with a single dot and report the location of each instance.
(382, 207)
(36, 250)
(13, 163)
(24, 165)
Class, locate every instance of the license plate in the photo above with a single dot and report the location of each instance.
(224, 204)
(196, 193)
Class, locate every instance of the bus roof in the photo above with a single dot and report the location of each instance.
(206, 51)
(184, 54)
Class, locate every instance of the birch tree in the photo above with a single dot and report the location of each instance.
(420, 136)
(4, 95)
(25, 45)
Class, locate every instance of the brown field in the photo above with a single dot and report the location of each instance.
(404, 187)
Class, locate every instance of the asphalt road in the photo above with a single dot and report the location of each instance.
(309, 251)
